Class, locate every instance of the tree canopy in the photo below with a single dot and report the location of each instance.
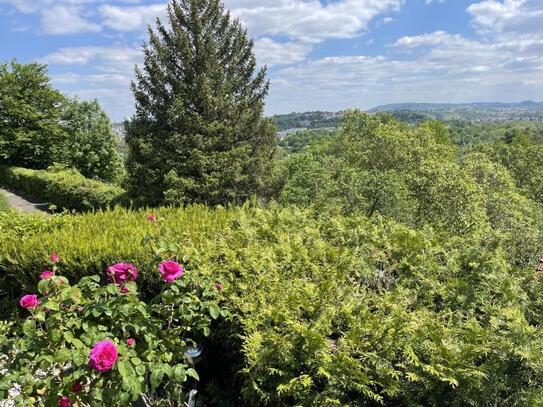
(30, 112)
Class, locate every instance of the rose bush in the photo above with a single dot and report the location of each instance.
(96, 344)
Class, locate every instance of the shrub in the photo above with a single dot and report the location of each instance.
(65, 189)
(4, 205)
(328, 310)
(103, 344)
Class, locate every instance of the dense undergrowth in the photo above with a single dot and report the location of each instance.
(328, 310)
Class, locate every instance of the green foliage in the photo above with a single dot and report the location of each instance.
(30, 112)
(294, 143)
(53, 353)
(63, 188)
(4, 204)
(198, 134)
(331, 310)
(311, 120)
(91, 147)
(373, 165)
(521, 153)
(416, 176)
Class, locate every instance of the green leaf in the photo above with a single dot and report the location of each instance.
(29, 328)
(62, 355)
(112, 289)
(55, 335)
(192, 373)
(180, 373)
(80, 358)
(125, 369)
(156, 378)
(44, 286)
(214, 311)
(68, 336)
(51, 305)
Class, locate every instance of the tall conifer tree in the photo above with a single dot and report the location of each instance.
(198, 134)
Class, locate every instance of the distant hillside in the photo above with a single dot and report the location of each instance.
(307, 120)
(415, 112)
(419, 112)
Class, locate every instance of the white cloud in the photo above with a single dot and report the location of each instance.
(429, 39)
(512, 16)
(106, 59)
(66, 19)
(131, 18)
(439, 67)
(270, 52)
(310, 20)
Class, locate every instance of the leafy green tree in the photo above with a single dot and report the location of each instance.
(91, 146)
(515, 218)
(30, 112)
(198, 134)
(521, 154)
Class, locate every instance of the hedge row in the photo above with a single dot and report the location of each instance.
(329, 311)
(65, 189)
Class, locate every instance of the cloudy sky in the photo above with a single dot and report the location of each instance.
(322, 55)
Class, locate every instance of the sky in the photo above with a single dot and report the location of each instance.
(321, 54)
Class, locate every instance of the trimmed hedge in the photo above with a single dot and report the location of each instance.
(329, 311)
(66, 189)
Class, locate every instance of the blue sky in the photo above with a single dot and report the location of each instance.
(321, 55)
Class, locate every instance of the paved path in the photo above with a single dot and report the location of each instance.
(21, 204)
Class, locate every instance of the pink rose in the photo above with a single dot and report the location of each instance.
(219, 286)
(120, 273)
(29, 301)
(77, 387)
(55, 257)
(130, 342)
(151, 218)
(46, 274)
(64, 402)
(103, 356)
(170, 271)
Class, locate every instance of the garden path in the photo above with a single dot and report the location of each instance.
(21, 204)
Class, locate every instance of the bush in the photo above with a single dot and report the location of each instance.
(327, 310)
(103, 344)
(65, 189)
(4, 205)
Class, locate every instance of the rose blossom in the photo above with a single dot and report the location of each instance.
(55, 257)
(130, 342)
(64, 402)
(103, 356)
(46, 274)
(219, 286)
(170, 271)
(120, 273)
(151, 218)
(29, 301)
(77, 387)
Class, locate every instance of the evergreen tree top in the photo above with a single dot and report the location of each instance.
(200, 62)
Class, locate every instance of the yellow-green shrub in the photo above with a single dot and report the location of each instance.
(329, 311)
(66, 189)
